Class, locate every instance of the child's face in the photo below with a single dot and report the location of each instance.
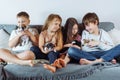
(91, 27)
(54, 25)
(75, 29)
(23, 21)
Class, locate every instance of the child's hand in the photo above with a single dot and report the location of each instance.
(21, 33)
(68, 45)
(93, 43)
(27, 32)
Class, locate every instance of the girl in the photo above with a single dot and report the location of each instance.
(51, 34)
(70, 34)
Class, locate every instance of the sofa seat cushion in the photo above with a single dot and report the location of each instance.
(71, 72)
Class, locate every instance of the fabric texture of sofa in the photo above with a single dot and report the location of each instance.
(73, 71)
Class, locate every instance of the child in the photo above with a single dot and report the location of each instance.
(99, 46)
(71, 36)
(50, 35)
(20, 41)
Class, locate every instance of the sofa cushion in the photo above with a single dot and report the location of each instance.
(71, 72)
(107, 26)
(8, 27)
(4, 37)
(115, 36)
(38, 27)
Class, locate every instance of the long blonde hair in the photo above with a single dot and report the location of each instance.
(50, 18)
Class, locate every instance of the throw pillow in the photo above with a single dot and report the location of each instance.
(114, 33)
(4, 37)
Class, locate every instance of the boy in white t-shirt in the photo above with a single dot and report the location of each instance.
(20, 41)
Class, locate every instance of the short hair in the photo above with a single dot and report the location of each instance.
(90, 18)
(24, 14)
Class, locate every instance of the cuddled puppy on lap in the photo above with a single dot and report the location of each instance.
(49, 46)
(24, 39)
(75, 42)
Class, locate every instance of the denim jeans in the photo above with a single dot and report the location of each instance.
(51, 56)
(105, 55)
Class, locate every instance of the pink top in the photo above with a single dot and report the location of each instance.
(78, 38)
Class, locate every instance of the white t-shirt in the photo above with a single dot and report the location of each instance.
(106, 42)
(25, 42)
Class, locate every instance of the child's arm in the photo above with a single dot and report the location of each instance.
(59, 45)
(34, 36)
(14, 39)
(67, 45)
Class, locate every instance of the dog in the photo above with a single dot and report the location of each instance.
(86, 41)
(49, 46)
(75, 42)
(24, 39)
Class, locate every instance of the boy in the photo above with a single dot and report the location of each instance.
(97, 46)
(20, 41)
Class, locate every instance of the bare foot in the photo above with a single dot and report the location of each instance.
(113, 61)
(57, 64)
(62, 62)
(85, 61)
(49, 67)
(31, 63)
(27, 62)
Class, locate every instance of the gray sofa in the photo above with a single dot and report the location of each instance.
(73, 71)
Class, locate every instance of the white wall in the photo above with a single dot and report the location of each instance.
(107, 10)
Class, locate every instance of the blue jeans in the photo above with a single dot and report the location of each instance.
(51, 56)
(93, 55)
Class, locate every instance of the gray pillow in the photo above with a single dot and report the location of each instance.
(107, 26)
(8, 27)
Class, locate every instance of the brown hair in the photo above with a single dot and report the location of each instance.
(24, 14)
(50, 19)
(90, 18)
(68, 29)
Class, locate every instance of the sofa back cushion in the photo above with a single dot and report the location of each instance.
(107, 26)
(9, 27)
(4, 37)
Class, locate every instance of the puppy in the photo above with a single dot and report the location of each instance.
(75, 42)
(24, 39)
(49, 46)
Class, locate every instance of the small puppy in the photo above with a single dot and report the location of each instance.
(75, 42)
(24, 39)
(86, 41)
(48, 46)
